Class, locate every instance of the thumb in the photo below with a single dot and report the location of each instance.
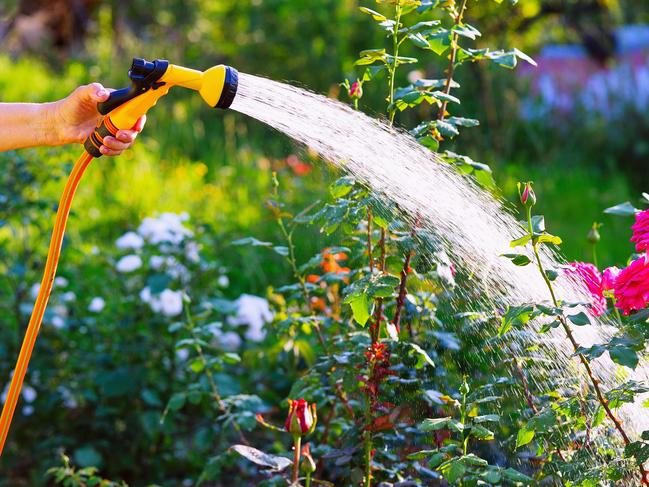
(94, 92)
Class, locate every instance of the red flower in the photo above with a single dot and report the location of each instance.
(525, 191)
(356, 90)
(632, 286)
(302, 418)
(589, 275)
(330, 262)
(609, 277)
(299, 168)
(641, 231)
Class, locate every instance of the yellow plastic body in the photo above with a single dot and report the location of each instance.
(208, 83)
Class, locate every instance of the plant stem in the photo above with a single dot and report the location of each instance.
(369, 239)
(208, 373)
(575, 345)
(393, 70)
(451, 61)
(297, 444)
(368, 445)
(290, 258)
(401, 298)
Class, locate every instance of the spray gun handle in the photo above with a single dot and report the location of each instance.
(144, 76)
(124, 107)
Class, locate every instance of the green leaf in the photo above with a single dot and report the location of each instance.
(342, 186)
(177, 401)
(523, 437)
(624, 356)
(439, 41)
(419, 40)
(422, 357)
(481, 433)
(446, 129)
(547, 238)
(273, 462)
(519, 242)
(538, 224)
(370, 56)
(375, 15)
(435, 424)
(463, 122)
(420, 455)
(456, 471)
(429, 141)
(580, 319)
(361, 307)
(87, 456)
(281, 250)
(638, 450)
(623, 209)
(518, 259)
(516, 476)
(252, 241)
(515, 316)
(467, 31)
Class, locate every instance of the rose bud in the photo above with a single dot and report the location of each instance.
(308, 464)
(526, 193)
(593, 234)
(356, 90)
(301, 419)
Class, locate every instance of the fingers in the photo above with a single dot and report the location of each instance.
(94, 92)
(139, 125)
(114, 146)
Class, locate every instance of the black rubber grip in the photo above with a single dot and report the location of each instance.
(230, 86)
(117, 98)
(96, 139)
(144, 76)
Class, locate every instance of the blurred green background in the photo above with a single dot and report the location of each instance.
(221, 162)
(217, 166)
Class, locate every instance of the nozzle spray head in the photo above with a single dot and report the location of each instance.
(219, 86)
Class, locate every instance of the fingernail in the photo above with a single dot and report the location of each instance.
(102, 93)
(103, 149)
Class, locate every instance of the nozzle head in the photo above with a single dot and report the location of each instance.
(219, 86)
(230, 87)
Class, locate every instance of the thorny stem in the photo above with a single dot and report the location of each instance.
(288, 236)
(375, 330)
(575, 345)
(451, 61)
(401, 298)
(297, 444)
(208, 373)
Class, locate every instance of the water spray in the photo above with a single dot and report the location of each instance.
(149, 82)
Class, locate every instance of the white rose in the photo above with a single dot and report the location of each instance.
(129, 263)
(96, 305)
(171, 302)
(130, 240)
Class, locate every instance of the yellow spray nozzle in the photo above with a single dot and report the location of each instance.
(150, 82)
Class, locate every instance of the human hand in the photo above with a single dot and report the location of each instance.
(75, 117)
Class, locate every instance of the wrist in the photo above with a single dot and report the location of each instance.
(50, 125)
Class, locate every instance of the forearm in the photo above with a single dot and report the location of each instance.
(26, 125)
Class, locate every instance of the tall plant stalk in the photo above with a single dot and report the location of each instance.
(576, 347)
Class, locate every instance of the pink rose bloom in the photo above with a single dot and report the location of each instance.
(632, 286)
(609, 277)
(591, 277)
(641, 231)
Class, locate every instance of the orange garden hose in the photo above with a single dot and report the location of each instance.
(149, 82)
(43, 295)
